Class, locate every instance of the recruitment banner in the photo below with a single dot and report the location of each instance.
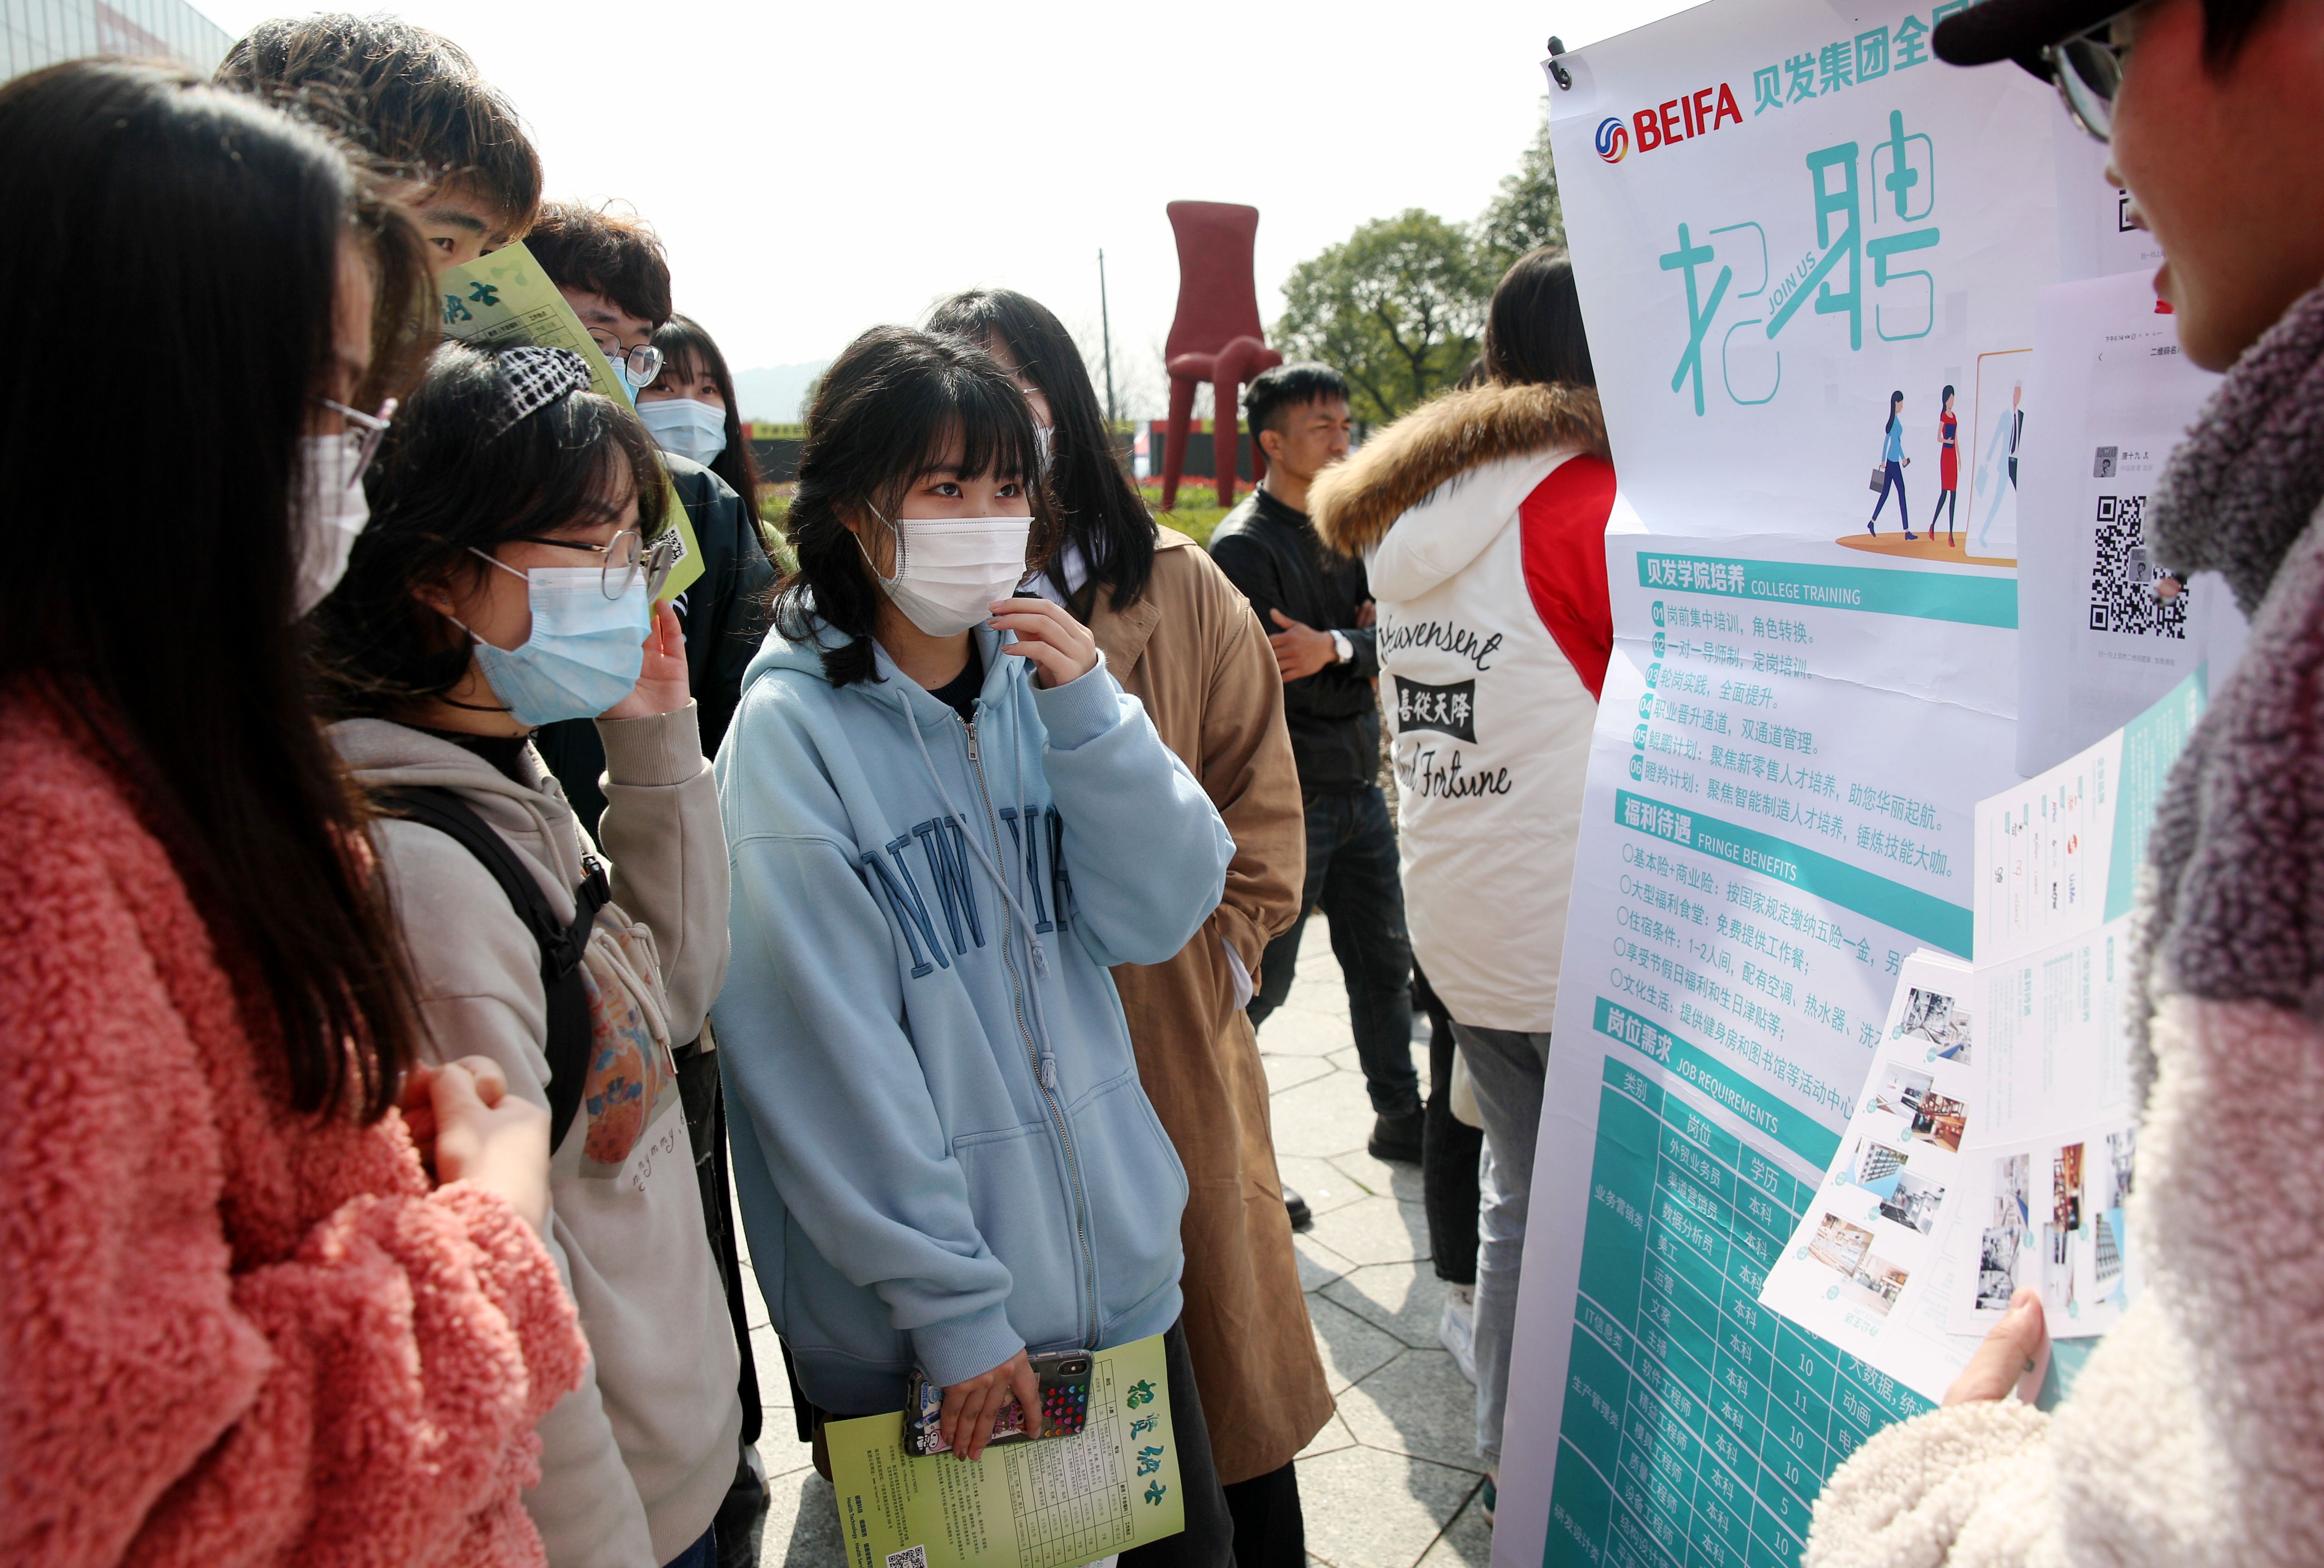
(1810, 257)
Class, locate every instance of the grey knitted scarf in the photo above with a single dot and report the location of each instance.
(2231, 895)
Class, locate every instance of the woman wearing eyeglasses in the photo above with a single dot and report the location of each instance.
(502, 586)
(2194, 1433)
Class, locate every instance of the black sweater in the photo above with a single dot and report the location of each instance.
(1271, 553)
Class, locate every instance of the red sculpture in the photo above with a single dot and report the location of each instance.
(1215, 335)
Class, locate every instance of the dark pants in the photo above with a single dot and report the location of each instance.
(1893, 479)
(1352, 875)
(1946, 499)
(743, 1518)
(1269, 1529)
(1449, 1148)
(703, 1554)
(1208, 1541)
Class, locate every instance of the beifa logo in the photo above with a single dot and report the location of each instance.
(1676, 120)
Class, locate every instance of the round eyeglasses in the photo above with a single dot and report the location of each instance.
(627, 555)
(365, 431)
(640, 364)
(2087, 70)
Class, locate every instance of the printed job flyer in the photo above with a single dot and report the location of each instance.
(1057, 1503)
(1872, 1268)
(2051, 1154)
(1821, 253)
(2098, 642)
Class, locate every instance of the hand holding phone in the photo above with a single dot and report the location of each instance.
(972, 1408)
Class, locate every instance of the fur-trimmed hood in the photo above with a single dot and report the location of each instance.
(1354, 504)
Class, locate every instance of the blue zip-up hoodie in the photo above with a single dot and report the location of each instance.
(942, 1148)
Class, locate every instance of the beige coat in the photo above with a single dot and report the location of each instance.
(1192, 651)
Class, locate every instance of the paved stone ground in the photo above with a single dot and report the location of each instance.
(1392, 1480)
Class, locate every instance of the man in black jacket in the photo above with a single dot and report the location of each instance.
(1317, 609)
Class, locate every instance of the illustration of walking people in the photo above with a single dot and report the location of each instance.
(2003, 448)
(1948, 468)
(1893, 463)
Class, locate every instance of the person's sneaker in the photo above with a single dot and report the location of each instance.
(1397, 1138)
(1457, 1329)
(1302, 1216)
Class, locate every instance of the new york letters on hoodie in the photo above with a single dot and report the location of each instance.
(941, 1146)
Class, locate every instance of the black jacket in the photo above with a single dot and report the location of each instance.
(1272, 554)
(724, 617)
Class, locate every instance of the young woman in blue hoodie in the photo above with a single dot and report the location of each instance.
(946, 822)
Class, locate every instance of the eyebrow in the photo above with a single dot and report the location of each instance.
(453, 218)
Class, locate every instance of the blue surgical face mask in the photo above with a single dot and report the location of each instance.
(584, 652)
(621, 377)
(684, 427)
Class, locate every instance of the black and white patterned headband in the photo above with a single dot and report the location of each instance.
(533, 378)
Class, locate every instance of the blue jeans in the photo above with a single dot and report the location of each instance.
(1352, 875)
(703, 1554)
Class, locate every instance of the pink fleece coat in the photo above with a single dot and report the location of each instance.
(230, 1334)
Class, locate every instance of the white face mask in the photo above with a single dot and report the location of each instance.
(684, 427)
(949, 570)
(331, 510)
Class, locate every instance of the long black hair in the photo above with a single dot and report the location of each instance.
(1896, 401)
(449, 480)
(689, 353)
(202, 235)
(895, 405)
(1098, 507)
(1534, 334)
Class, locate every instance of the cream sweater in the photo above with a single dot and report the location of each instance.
(2195, 1435)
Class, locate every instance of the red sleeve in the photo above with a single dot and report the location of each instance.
(1563, 527)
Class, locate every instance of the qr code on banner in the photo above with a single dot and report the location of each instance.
(2122, 581)
(910, 1557)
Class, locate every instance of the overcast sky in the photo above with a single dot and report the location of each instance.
(817, 168)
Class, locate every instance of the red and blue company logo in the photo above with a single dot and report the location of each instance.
(1677, 120)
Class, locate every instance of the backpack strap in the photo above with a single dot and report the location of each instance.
(562, 943)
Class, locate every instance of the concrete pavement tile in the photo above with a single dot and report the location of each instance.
(1350, 1347)
(802, 1524)
(1393, 1177)
(1293, 1030)
(755, 1304)
(1334, 1435)
(1467, 1542)
(774, 1387)
(1321, 1117)
(1288, 1071)
(1406, 1299)
(1345, 1059)
(1320, 1182)
(1376, 1230)
(1370, 1509)
(1419, 1405)
(1318, 1264)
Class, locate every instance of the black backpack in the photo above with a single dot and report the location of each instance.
(561, 946)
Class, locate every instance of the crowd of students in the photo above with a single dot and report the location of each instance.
(402, 991)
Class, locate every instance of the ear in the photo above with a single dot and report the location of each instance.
(1270, 441)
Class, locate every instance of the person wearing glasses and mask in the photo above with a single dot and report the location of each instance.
(502, 584)
(610, 268)
(2194, 1433)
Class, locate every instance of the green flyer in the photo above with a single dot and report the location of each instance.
(1059, 1503)
(505, 298)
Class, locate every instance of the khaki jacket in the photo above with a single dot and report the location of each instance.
(1192, 652)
